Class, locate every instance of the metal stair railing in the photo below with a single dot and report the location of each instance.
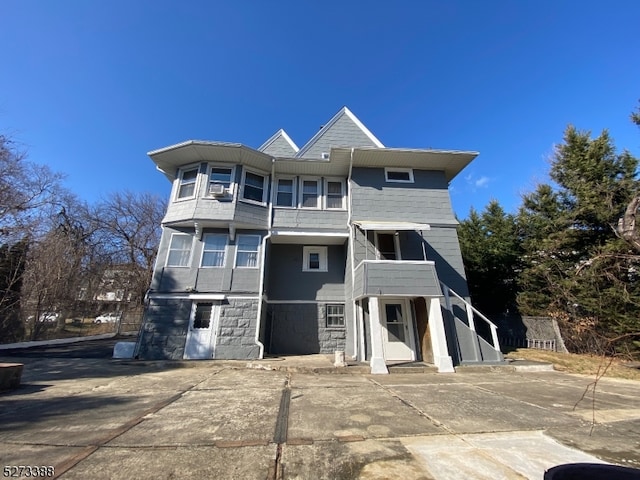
(470, 309)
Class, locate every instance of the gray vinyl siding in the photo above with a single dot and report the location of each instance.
(396, 278)
(280, 148)
(307, 219)
(443, 247)
(249, 214)
(287, 281)
(208, 279)
(425, 201)
(343, 133)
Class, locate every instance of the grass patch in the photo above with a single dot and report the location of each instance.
(576, 363)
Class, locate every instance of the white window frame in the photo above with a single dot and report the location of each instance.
(232, 184)
(176, 234)
(395, 169)
(183, 170)
(322, 257)
(325, 196)
(294, 197)
(238, 237)
(327, 315)
(225, 251)
(318, 181)
(265, 181)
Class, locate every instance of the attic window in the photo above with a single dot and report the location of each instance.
(398, 175)
(325, 155)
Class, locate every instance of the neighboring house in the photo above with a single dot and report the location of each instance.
(339, 245)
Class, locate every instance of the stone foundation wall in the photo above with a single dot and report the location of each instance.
(164, 331)
(237, 330)
(301, 329)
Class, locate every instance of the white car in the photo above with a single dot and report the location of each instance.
(107, 318)
(46, 317)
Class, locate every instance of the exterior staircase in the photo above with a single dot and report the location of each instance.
(472, 338)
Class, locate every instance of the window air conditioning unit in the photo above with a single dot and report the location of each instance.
(217, 189)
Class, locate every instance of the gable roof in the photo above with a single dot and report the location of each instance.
(344, 129)
(279, 145)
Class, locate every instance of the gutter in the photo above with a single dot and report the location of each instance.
(263, 259)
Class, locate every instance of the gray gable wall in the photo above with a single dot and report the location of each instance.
(343, 132)
(278, 146)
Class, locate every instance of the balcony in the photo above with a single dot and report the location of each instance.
(405, 278)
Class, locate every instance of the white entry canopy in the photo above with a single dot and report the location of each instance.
(391, 226)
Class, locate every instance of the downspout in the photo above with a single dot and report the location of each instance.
(356, 350)
(263, 259)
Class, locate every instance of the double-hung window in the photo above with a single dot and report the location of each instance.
(310, 193)
(247, 247)
(220, 176)
(254, 187)
(335, 316)
(187, 186)
(214, 250)
(180, 250)
(285, 195)
(314, 259)
(335, 194)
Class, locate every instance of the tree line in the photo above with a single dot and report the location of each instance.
(60, 254)
(570, 252)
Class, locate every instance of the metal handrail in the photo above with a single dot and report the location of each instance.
(470, 311)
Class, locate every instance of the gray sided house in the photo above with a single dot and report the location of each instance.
(341, 245)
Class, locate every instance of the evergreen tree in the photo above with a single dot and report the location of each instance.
(491, 252)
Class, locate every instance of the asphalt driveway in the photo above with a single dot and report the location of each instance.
(100, 418)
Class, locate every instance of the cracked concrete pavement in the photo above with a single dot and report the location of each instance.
(99, 418)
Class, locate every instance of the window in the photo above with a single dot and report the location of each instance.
(284, 192)
(253, 187)
(325, 155)
(334, 194)
(214, 250)
(314, 259)
(187, 186)
(202, 318)
(247, 251)
(398, 175)
(388, 246)
(310, 193)
(221, 176)
(179, 250)
(335, 316)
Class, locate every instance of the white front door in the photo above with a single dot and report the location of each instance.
(397, 335)
(202, 328)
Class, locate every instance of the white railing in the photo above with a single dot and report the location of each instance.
(471, 310)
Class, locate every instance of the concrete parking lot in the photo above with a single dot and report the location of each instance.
(100, 418)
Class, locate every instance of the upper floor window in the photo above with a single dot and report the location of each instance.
(314, 259)
(180, 250)
(310, 193)
(187, 186)
(254, 187)
(335, 194)
(220, 181)
(247, 247)
(285, 192)
(214, 250)
(398, 175)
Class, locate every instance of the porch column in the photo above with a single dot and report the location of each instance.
(378, 364)
(441, 357)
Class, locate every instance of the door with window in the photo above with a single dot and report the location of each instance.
(387, 246)
(202, 331)
(397, 335)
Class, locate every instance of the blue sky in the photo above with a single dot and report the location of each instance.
(89, 87)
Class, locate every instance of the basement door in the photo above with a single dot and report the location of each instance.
(202, 328)
(397, 337)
